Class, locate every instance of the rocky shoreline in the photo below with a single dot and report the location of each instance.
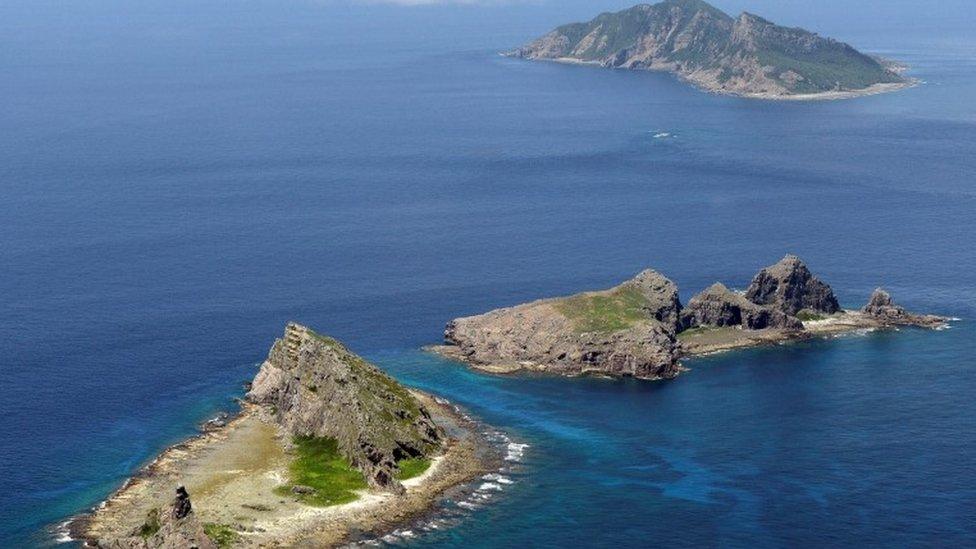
(640, 328)
(234, 473)
(833, 95)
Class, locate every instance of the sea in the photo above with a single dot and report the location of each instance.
(179, 179)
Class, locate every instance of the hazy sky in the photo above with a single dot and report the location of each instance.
(838, 13)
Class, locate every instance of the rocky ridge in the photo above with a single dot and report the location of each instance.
(629, 330)
(314, 386)
(640, 329)
(746, 55)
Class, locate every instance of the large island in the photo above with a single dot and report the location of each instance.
(746, 56)
(640, 328)
(326, 446)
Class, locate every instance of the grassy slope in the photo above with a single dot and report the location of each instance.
(414, 467)
(619, 309)
(319, 465)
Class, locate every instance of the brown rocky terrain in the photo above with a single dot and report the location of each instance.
(640, 329)
(629, 330)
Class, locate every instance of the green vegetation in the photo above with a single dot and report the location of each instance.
(619, 309)
(413, 467)
(151, 526)
(319, 466)
(824, 68)
(821, 64)
(810, 316)
(221, 534)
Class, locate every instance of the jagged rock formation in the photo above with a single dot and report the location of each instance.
(790, 287)
(640, 329)
(316, 387)
(881, 307)
(175, 528)
(625, 331)
(747, 55)
(718, 306)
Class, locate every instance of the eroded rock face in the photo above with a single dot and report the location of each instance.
(882, 307)
(625, 331)
(631, 330)
(317, 387)
(790, 287)
(663, 302)
(719, 306)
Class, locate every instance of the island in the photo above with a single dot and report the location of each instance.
(326, 446)
(745, 56)
(640, 328)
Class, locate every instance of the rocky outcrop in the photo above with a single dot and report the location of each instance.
(718, 306)
(625, 331)
(174, 528)
(747, 55)
(881, 307)
(640, 329)
(316, 387)
(790, 287)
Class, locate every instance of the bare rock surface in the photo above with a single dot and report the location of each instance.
(317, 387)
(718, 306)
(628, 330)
(640, 329)
(790, 287)
(881, 307)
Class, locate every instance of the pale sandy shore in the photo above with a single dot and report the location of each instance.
(231, 475)
(716, 340)
(875, 89)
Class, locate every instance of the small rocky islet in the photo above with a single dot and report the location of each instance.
(746, 55)
(640, 328)
(326, 447)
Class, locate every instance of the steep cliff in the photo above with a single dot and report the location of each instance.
(316, 387)
(720, 307)
(790, 287)
(628, 330)
(747, 55)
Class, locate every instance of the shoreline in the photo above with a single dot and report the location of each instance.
(232, 470)
(714, 341)
(875, 89)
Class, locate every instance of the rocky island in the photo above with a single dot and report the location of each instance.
(746, 55)
(326, 446)
(640, 328)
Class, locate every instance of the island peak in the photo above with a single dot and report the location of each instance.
(746, 55)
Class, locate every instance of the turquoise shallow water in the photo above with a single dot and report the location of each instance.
(179, 180)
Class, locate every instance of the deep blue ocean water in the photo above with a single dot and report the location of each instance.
(180, 179)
